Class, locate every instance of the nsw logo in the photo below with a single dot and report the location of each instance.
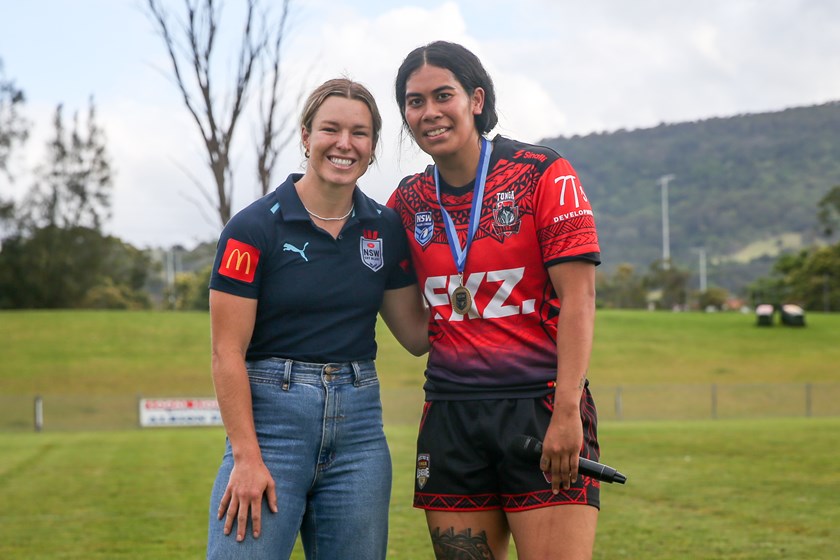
(424, 227)
(370, 249)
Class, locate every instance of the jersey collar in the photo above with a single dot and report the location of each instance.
(291, 208)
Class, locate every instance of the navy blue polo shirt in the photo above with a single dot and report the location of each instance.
(318, 297)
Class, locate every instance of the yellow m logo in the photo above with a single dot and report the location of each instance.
(240, 256)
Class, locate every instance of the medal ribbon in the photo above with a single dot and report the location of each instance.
(458, 253)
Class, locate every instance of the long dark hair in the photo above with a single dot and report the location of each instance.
(464, 65)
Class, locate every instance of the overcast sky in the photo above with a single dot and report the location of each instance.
(560, 68)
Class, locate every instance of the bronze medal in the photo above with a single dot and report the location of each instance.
(461, 300)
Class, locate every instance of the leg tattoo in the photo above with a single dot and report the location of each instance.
(463, 546)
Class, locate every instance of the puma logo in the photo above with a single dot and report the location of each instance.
(293, 249)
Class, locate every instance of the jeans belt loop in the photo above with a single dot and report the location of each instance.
(356, 374)
(287, 375)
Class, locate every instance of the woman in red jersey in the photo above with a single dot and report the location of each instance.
(503, 240)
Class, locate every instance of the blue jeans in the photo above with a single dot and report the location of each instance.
(320, 431)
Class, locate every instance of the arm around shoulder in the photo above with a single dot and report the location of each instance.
(407, 316)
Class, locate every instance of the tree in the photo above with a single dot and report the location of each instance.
(624, 290)
(275, 129)
(672, 282)
(828, 211)
(190, 291)
(14, 130)
(74, 187)
(714, 297)
(810, 278)
(122, 286)
(55, 267)
(57, 255)
(190, 45)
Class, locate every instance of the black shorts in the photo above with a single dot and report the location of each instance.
(464, 462)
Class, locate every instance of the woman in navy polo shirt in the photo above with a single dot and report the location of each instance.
(298, 280)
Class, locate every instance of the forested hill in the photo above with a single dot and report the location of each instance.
(740, 184)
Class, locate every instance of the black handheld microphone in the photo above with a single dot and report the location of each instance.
(530, 449)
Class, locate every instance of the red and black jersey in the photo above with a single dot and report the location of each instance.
(534, 214)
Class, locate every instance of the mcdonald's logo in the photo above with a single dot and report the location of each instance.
(239, 261)
(239, 258)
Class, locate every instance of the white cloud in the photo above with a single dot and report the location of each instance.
(155, 198)
(559, 68)
(370, 50)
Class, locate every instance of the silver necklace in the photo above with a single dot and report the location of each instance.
(344, 217)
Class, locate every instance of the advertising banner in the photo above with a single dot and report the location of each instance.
(179, 412)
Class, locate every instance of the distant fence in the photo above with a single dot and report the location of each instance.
(696, 402)
(403, 406)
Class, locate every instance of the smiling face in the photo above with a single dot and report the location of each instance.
(339, 141)
(441, 113)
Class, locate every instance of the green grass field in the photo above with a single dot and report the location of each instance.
(119, 353)
(742, 488)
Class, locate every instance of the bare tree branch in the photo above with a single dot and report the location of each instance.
(202, 190)
(272, 126)
(208, 199)
(193, 48)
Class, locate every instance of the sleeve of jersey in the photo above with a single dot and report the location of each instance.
(237, 267)
(564, 218)
(392, 201)
(402, 273)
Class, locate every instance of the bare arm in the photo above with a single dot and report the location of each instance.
(232, 324)
(574, 283)
(406, 314)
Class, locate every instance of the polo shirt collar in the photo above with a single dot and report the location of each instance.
(292, 209)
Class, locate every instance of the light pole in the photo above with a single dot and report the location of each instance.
(702, 254)
(666, 234)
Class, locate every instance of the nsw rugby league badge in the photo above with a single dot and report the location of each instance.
(424, 227)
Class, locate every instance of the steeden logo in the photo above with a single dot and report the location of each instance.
(239, 261)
